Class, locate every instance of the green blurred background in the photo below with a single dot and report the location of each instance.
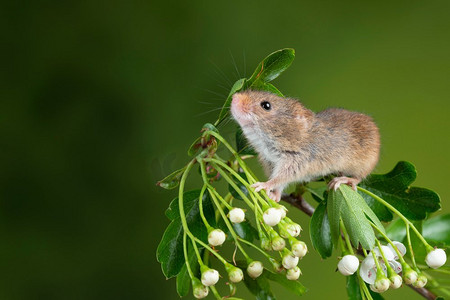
(99, 100)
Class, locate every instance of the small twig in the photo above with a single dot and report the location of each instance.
(299, 202)
(427, 294)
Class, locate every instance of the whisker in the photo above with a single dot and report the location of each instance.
(245, 64)
(234, 63)
(207, 112)
(217, 94)
(220, 72)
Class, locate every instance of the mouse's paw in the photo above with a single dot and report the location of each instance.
(275, 195)
(337, 181)
(272, 192)
(258, 186)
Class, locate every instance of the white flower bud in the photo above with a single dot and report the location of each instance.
(272, 216)
(436, 258)
(283, 211)
(236, 215)
(410, 276)
(278, 244)
(235, 275)
(200, 291)
(421, 281)
(294, 229)
(348, 265)
(293, 274)
(299, 249)
(396, 282)
(255, 269)
(216, 237)
(290, 261)
(380, 285)
(400, 247)
(210, 277)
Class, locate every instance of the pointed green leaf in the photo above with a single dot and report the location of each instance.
(320, 233)
(246, 231)
(237, 86)
(334, 204)
(172, 180)
(354, 213)
(394, 187)
(266, 87)
(273, 65)
(170, 250)
(379, 209)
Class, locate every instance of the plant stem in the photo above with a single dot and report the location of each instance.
(411, 253)
(400, 257)
(188, 265)
(254, 246)
(347, 239)
(401, 216)
(215, 292)
(234, 186)
(200, 205)
(214, 194)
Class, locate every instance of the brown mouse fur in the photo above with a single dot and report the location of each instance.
(296, 145)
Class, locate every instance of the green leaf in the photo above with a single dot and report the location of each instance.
(354, 214)
(318, 193)
(246, 231)
(394, 187)
(437, 230)
(266, 87)
(172, 180)
(273, 65)
(195, 146)
(237, 86)
(242, 145)
(292, 285)
(353, 288)
(170, 250)
(183, 278)
(334, 205)
(379, 209)
(320, 233)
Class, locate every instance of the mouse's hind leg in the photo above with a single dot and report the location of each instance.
(337, 181)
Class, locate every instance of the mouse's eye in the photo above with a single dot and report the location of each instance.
(266, 105)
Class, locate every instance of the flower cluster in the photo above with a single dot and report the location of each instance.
(381, 267)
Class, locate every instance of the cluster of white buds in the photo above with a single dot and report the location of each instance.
(377, 277)
(289, 260)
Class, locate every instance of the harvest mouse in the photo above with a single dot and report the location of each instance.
(297, 145)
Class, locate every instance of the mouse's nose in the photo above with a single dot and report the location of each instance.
(236, 100)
